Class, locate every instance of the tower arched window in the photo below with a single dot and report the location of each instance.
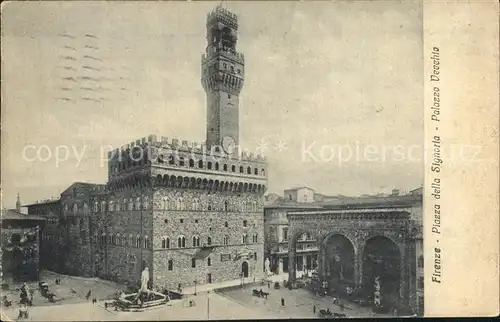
(191, 163)
(96, 207)
(111, 206)
(255, 238)
(245, 223)
(124, 240)
(217, 166)
(200, 164)
(131, 240)
(103, 238)
(241, 169)
(124, 207)
(256, 171)
(262, 172)
(138, 241)
(138, 203)
(233, 168)
(209, 240)
(196, 241)
(118, 239)
(244, 239)
(181, 242)
(130, 204)
(209, 261)
(226, 240)
(209, 165)
(170, 264)
(249, 170)
(171, 160)
(225, 167)
(146, 242)
(181, 161)
(145, 203)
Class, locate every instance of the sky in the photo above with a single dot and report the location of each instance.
(325, 82)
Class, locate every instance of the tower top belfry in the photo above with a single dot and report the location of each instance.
(222, 78)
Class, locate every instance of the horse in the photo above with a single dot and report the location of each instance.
(325, 313)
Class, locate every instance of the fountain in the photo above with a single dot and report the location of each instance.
(144, 298)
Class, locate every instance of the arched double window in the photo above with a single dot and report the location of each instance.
(146, 242)
(138, 241)
(249, 170)
(124, 205)
(181, 204)
(145, 203)
(103, 238)
(226, 205)
(96, 207)
(196, 241)
(165, 242)
(255, 238)
(138, 203)
(196, 204)
(111, 206)
(103, 206)
(124, 240)
(131, 240)
(226, 240)
(130, 204)
(181, 241)
(244, 239)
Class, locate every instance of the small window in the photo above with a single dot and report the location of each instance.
(191, 163)
(256, 171)
(241, 169)
(255, 256)
(181, 161)
(229, 96)
(209, 240)
(226, 224)
(182, 221)
(200, 164)
(244, 223)
(193, 263)
(209, 261)
(217, 166)
(196, 221)
(249, 170)
(225, 167)
(233, 168)
(170, 264)
(209, 165)
(165, 221)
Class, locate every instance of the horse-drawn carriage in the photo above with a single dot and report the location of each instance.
(259, 293)
(328, 314)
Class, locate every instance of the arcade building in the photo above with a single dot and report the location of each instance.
(192, 213)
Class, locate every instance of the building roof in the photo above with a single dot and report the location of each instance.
(298, 188)
(400, 200)
(11, 214)
(286, 203)
(43, 202)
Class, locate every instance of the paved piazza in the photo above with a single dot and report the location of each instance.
(298, 302)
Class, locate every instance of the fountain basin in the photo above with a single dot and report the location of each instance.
(131, 302)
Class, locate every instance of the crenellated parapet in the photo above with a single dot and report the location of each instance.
(222, 15)
(156, 157)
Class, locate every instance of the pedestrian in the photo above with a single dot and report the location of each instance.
(268, 285)
(282, 302)
(254, 279)
(314, 309)
(106, 305)
(88, 295)
(94, 301)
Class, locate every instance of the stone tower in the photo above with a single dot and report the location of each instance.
(222, 78)
(18, 203)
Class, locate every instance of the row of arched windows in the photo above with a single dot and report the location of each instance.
(139, 158)
(123, 205)
(211, 205)
(174, 204)
(76, 208)
(123, 240)
(172, 160)
(195, 241)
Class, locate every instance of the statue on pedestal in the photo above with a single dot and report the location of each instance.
(377, 296)
(144, 280)
(267, 265)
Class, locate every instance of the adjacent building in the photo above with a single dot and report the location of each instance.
(20, 248)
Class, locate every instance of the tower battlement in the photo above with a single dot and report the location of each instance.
(220, 14)
(179, 146)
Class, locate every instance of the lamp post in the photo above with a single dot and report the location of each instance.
(195, 286)
(208, 305)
